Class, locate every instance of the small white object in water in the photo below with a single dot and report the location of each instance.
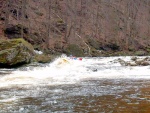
(21, 109)
(38, 52)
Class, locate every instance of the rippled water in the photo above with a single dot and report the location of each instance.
(93, 85)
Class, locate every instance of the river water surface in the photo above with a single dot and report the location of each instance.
(93, 85)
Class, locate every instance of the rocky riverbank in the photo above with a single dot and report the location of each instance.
(17, 52)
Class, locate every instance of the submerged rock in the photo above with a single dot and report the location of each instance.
(94, 70)
(134, 58)
(134, 61)
(122, 62)
(15, 52)
(132, 64)
(145, 63)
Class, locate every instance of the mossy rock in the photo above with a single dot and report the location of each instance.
(15, 52)
(7, 44)
(43, 58)
(74, 50)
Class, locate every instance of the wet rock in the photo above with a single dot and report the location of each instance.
(15, 52)
(94, 70)
(132, 64)
(145, 63)
(141, 62)
(122, 62)
(134, 58)
(147, 58)
(135, 61)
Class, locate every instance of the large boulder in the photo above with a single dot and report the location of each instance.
(15, 52)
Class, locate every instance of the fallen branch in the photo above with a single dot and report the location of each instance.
(85, 44)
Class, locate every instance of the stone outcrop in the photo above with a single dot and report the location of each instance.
(15, 52)
(135, 61)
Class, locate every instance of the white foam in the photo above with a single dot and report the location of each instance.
(72, 71)
(8, 99)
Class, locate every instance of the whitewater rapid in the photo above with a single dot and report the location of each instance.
(73, 71)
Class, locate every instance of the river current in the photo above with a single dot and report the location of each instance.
(90, 85)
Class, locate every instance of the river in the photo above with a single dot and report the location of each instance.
(90, 85)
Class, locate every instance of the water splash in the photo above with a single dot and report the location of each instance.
(65, 70)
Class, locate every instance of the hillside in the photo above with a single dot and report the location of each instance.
(88, 27)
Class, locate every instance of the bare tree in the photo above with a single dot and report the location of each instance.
(2, 5)
(66, 20)
(49, 34)
(82, 18)
(148, 5)
(7, 12)
(23, 7)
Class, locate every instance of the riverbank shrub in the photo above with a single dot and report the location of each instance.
(73, 49)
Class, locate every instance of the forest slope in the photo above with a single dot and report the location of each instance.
(116, 27)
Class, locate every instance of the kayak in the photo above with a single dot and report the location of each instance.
(63, 61)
